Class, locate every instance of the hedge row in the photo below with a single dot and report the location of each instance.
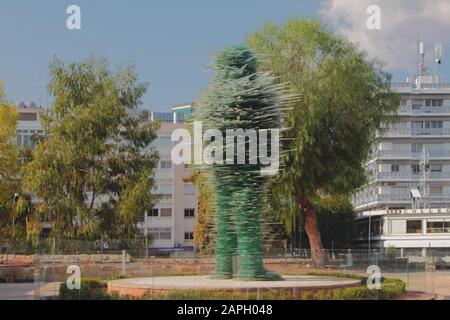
(390, 289)
(90, 289)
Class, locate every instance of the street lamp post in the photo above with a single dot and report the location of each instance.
(293, 235)
(16, 195)
(370, 223)
(301, 231)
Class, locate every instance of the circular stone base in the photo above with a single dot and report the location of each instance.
(136, 287)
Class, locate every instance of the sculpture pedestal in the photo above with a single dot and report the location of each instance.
(136, 287)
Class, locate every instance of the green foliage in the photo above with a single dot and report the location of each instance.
(218, 295)
(391, 253)
(280, 206)
(336, 225)
(335, 218)
(90, 289)
(204, 232)
(344, 101)
(345, 98)
(390, 289)
(97, 148)
(9, 164)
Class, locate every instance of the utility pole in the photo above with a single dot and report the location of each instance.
(368, 250)
(16, 195)
(301, 231)
(293, 235)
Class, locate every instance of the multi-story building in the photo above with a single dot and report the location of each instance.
(28, 124)
(406, 203)
(171, 222)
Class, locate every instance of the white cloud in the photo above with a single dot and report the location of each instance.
(403, 24)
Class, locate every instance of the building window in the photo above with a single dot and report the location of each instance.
(395, 168)
(166, 212)
(416, 147)
(188, 236)
(417, 125)
(163, 116)
(165, 234)
(403, 102)
(160, 233)
(166, 164)
(163, 189)
(436, 168)
(438, 227)
(27, 138)
(417, 104)
(189, 190)
(153, 212)
(376, 228)
(165, 198)
(433, 124)
(414, 226)
(436, 191)
(189, 213)
(27, 116)
(415, 169)
(434, 102)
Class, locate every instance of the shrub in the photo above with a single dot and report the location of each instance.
(391, 253)
(390, 289)
(90, 289)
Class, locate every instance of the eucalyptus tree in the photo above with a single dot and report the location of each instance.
(344, 101)
(94, 171)
(9, 161)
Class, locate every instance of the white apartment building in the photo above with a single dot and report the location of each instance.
(406, 203)
(171, 222)
(28, 124)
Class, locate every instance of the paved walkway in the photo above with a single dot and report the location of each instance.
(437, 282)
(16, 291)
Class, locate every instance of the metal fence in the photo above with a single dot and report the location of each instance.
(422, 270)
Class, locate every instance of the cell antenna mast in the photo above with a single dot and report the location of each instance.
(422, 67)
(438, 51)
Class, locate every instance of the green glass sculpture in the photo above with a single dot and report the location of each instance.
(239, 98)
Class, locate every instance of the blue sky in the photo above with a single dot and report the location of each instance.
(169, 41)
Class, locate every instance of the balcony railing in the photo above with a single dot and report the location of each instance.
(412, 175)
(398, 176)
(407, 132)
(362, 200)
(430, 131)
(412, 155)
(394, 197)
(423, 110)
(408, 85)
(398, 132)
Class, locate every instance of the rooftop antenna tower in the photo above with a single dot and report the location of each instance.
(425, 171)
(422, 67)
(438, 52)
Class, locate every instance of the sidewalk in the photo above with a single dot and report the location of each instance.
(16, 291)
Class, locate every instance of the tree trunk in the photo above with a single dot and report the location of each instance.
(310, 220)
